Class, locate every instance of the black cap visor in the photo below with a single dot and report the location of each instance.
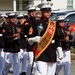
(46, 9)
(20, 17)
(11, 16)
(32, 10)
(61, 20)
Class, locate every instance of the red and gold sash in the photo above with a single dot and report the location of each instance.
(45, 39)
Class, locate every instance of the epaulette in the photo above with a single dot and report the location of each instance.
(30, 31)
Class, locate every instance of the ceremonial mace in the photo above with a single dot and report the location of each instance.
(39, 28)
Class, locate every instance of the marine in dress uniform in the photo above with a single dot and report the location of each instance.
(46, 61)
(1, 44)
(23, 52)
(31, 21)
(11, 45)
(64, 36)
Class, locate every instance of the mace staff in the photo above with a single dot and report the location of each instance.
(40, 29)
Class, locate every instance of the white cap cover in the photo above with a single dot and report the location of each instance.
(60, 18)
(3, 15)
(31, 7)
(46, 4)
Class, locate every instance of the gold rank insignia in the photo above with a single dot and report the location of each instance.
(30, 31)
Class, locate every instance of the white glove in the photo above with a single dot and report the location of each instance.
(60, 53)
(34, 39)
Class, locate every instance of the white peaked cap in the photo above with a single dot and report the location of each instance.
(11, 14)
(60, 18)
(20, 15)
(31, 7)
(45, 4)
(37, 8)
(3, 15)
(25, 14)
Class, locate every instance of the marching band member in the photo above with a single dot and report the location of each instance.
(65, 36)
(23, 52)
(11, 45)
(44, 40)
(31, 21)
(1, 45)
